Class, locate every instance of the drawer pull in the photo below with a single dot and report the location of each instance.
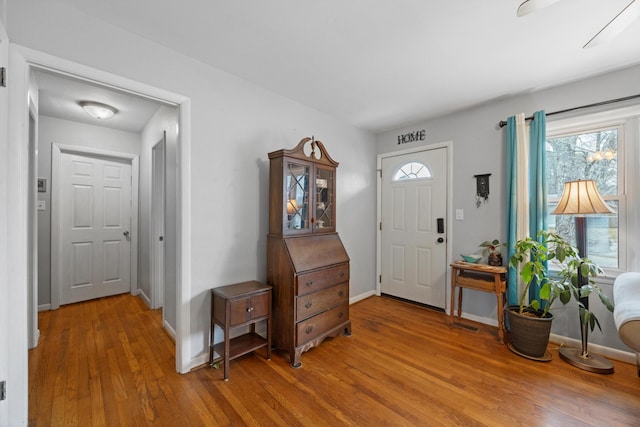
(308, 304)
(309, 329)
(249, 310)
(342, 274)
(340, 315)
(341, 293)
(310, 282)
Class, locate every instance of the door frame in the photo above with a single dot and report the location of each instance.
(57, 150)
(158, 225)
(22, 61)
(448, 145)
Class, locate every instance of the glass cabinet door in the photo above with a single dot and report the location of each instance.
(324, 201)
(297, 197)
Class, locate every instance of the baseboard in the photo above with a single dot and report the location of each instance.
(144, 297)
(361, 297)
(199, 361)
(613, 353)
(480, 319)
(169, 329)
(44, 307)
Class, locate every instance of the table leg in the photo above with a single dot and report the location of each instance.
(460, 302)
(226, 352)
(453, 293)
(500, 317)
(500, 297)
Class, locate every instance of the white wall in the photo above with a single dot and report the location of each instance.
(479, 146)
(64, 132)
(234, 124)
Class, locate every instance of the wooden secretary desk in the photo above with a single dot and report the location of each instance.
(307, 264)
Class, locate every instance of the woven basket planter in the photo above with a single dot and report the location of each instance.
(529, 332)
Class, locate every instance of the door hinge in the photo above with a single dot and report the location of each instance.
(380, 225)
(380, 278)
(3, 390)
(380, 170)
(3, 77)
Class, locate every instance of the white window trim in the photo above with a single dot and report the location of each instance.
(393, 179)
(629, 167)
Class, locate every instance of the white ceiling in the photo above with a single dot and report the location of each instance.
(59, 96)
(381, 64)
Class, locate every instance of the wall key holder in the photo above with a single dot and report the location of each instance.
(482, 188)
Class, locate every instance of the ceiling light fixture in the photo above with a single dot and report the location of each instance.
(98, 110)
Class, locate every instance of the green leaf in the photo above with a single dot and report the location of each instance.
(526, 273)
(545, 291)
(605, 301)
(594, 320)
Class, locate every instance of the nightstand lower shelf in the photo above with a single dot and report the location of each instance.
(239, 346)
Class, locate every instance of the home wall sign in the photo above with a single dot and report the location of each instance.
(482, 188)
(418, 135)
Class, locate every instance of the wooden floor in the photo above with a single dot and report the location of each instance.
(108, 363)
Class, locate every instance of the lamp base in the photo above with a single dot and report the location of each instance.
(590, 362)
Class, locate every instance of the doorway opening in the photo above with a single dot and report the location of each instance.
(38, 65)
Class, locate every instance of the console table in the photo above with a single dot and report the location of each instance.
(240, 305)
(480, 277)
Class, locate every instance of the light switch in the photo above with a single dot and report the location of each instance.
(42, 205)
(459, 214)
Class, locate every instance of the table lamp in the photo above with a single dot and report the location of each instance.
(581, 198)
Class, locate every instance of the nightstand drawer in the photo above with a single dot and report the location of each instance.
(246, 309)
(312, 282)
(311, 304)
(315, 326)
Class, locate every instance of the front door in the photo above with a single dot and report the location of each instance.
(94, 224)
(413, 238)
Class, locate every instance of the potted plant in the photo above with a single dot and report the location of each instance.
(530, 321)
(493, 251)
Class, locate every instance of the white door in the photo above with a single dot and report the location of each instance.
(95, 219)
(157, 223)
(413, 238)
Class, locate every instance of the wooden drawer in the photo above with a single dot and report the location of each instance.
(246, 309)
(320, 279)
(315, 326)
(311, 304)
(483, 282)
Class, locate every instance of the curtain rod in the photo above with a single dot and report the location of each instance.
(503, 123)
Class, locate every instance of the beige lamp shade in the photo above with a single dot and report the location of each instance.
(292, 206)
(581, 197)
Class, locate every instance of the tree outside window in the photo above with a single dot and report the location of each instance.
(591, 154)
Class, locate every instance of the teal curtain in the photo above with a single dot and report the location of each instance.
(512, 208)
(537, 183)
(537, 190)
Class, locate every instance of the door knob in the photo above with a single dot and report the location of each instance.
(440, 240)
(125, 234)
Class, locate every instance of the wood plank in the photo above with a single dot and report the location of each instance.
(108, 362)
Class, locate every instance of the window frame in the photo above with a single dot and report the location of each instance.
(409, 178)
(627, 120)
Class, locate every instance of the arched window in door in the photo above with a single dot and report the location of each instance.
(412, 170)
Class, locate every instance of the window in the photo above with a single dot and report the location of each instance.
(590, 151)
(412, 170)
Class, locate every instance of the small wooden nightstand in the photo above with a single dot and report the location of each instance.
(232, 306)
(480, 277)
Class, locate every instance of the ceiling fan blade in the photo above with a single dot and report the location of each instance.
(530, 6)
(617, 25)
